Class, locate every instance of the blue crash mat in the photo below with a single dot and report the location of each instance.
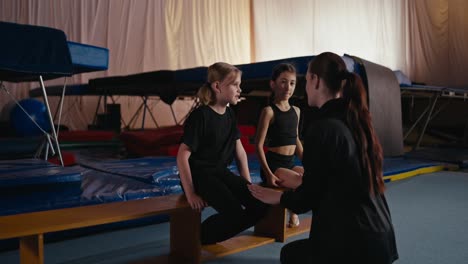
(8, 166)
(145, 169)
(34, 185)
(398, 165)
(161, 171)
(38, 175)
(103, 187)
(121, 180)
(47, 192)
(457, 156)
(97, 188)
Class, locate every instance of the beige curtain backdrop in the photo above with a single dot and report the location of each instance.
(426, 39)
(141, 35)
(372, 30)
(438, 41)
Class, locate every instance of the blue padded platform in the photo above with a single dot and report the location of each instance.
(262, 70)
(87, 58)
(28, 51)
(162, 83)
(84, 58)
(169, 84)
(431, 88)
(75, 89)
(35, 53)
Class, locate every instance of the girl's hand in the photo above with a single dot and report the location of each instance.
(266, 195)
(274, 181)
(196, 202)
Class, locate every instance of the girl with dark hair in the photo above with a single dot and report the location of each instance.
(277, 129)
(343, 182)
(210, 142)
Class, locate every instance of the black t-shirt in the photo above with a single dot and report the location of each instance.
(211, 138)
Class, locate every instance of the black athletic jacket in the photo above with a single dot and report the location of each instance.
(348, 223)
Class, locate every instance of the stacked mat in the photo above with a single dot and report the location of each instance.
(398, 168)
(33, 185)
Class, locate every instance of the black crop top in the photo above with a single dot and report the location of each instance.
(283, 130)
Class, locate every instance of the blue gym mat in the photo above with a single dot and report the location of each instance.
(30, 185)
(43, 184)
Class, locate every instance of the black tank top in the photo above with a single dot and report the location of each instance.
(283, 130)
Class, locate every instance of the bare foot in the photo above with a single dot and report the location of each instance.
(293, 220)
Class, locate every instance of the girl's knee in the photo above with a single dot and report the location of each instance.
(296, 252)
(285, 255)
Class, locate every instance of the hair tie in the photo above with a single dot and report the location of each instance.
(345, 75)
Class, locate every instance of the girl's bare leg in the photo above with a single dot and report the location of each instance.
(291, 179)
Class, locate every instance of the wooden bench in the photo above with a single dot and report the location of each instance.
(274, 225)
(30, 227)
(185, 244)
(272, 228)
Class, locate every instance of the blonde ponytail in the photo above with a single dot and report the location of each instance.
(206, 95)
(217, 72)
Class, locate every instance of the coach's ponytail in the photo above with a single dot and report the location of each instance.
(332, 70)
(360, 122)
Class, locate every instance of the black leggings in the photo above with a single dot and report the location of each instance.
(297, 252)
(228, 194)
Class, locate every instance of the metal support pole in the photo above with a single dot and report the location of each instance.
(51, 120)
